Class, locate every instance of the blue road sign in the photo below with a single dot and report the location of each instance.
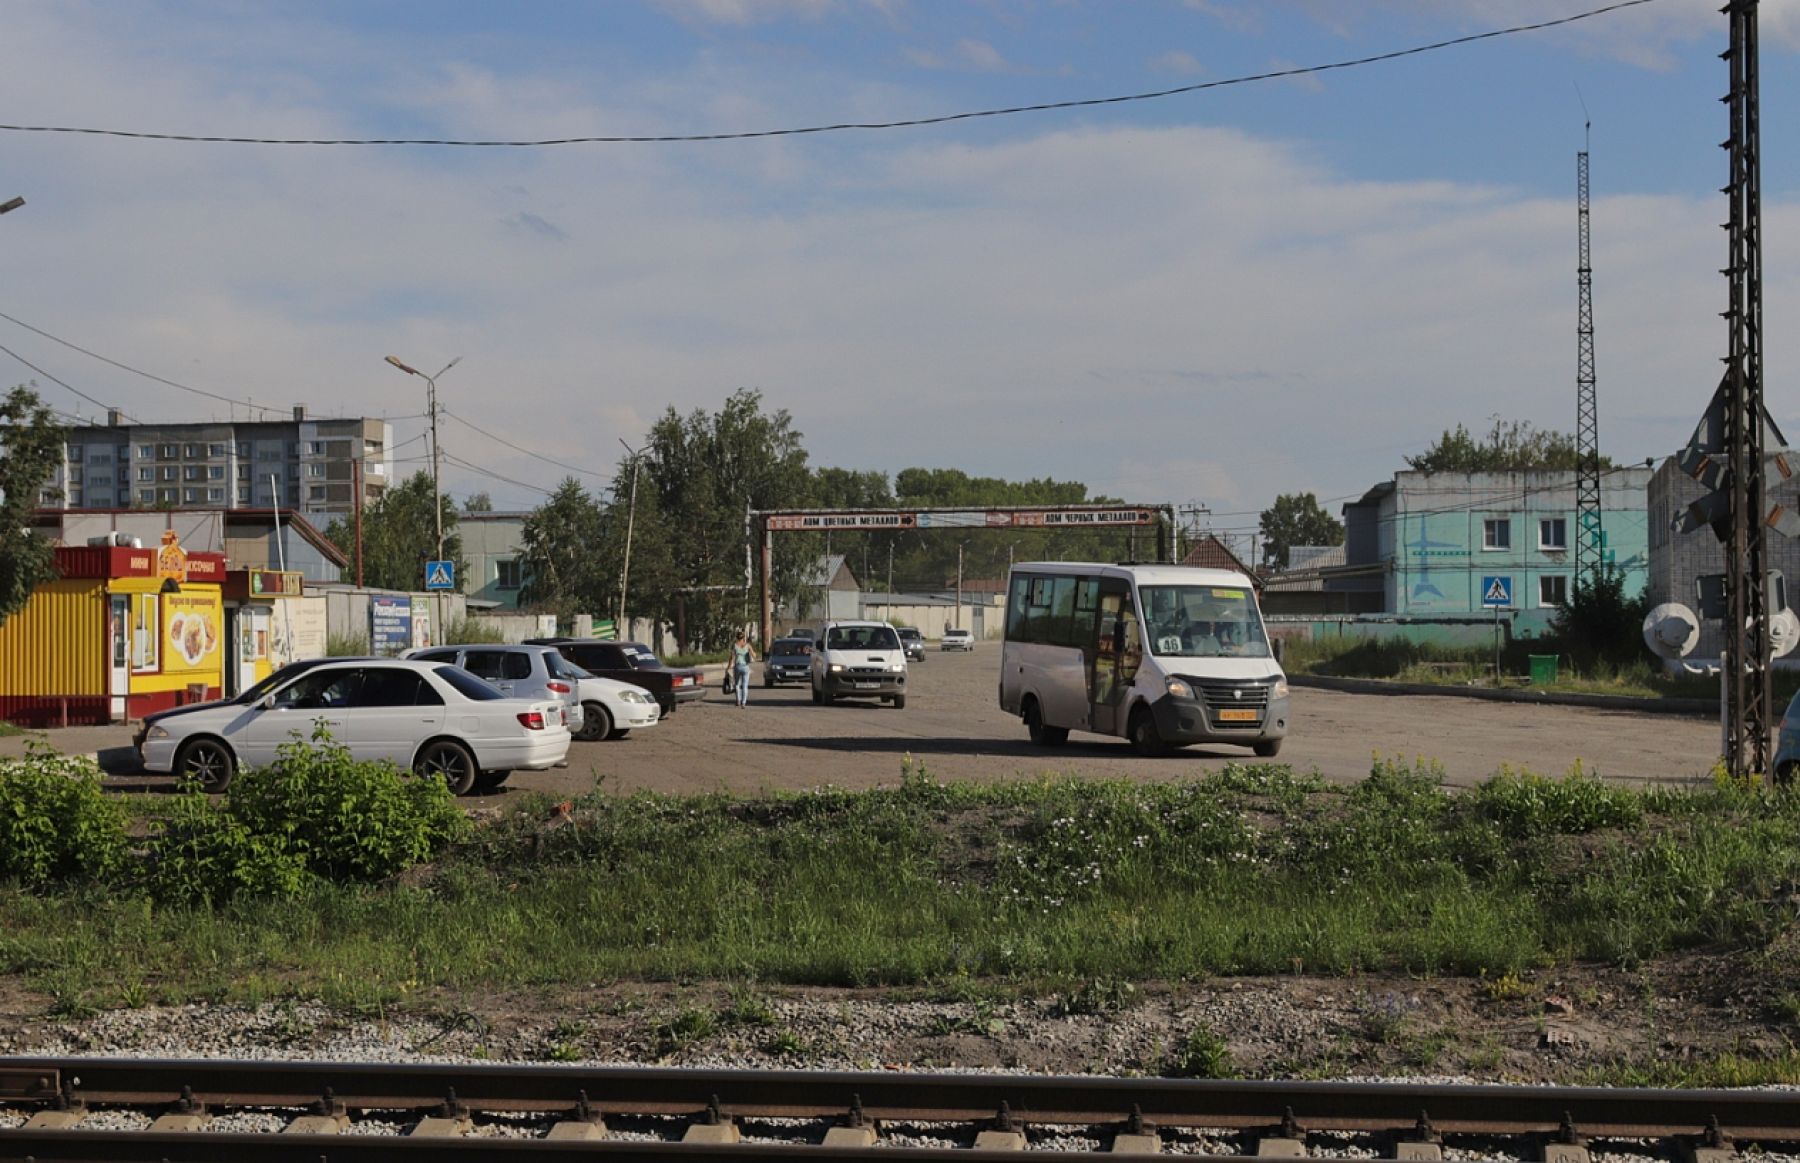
(1496, 591)
(440, 575)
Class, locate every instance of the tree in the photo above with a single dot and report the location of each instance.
(560, 553)
(31, 444)
(1599, 624)
(400, 535)
(478, 503)
(1296, 519)
(1510, 446)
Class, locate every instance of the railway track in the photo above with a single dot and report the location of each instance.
(69, 1109)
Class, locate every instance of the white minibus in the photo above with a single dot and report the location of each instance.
(1162, 655)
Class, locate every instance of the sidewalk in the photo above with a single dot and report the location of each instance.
(1383, 686)
(108, 746)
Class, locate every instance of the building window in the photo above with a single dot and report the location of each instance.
(190, 496)
(511, 574)
(269, 454)
(147, 451)
(146, 474)
(1553, 590)
(167, 496)
(170, 472)
(194, 472)
(1553, 533)
(293, 449)
(215, 450)
(74, 474)
(315, 448)
(316, 493)
(99, 456)
(315, 470)
(243, 472)
(75, 499)
(123, 453)
(244, 496)
(215, 472)
(215, 495)
(191, 451)
(147, 496)
(167, 451)
(244, 449)
(1496, 533)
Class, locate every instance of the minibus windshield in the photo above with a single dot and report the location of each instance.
(1203, 622)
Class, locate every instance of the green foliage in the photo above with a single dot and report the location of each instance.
(563, 573)
(1201, 1054)
(314, 812)
(1528, 806)
(1296, 519)
(400, 535)
(347, 645)
(56, 824)
(30, 449)
(478, 503)
(1600, 625)
(1510, 446)
(466, 630)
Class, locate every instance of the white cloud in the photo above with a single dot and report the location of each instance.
(1176, 61)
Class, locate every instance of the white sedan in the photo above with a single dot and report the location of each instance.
(612, 709)
(957, 640)
(434, 718)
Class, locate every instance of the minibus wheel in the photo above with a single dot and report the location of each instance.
(1040, 734)
(1146, 740)
(1267, 749)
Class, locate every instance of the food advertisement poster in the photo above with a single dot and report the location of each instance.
(193, 626)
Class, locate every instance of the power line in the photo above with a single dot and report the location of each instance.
(516, 448)
(59, 383)
(134, 371)
(908, 123)
(478, 470)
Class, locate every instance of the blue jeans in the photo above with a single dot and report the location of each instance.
(740, 676)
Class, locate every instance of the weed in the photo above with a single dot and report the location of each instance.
(784, 1044)
(683, 1027)
(747, 1008)
(1104, 995)
(1506, 987)
(1202, 1054)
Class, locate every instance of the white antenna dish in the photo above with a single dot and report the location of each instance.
(1672, 631)
(1784, 634)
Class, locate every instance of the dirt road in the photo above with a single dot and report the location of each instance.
(953, 726)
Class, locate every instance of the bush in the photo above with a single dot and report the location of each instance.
(1526, 806)
(315, 811)
(55, 822)
(1600, 624)
(464, 631)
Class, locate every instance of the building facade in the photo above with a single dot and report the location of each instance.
(1438, 542)
(492, 545)
(301, 464)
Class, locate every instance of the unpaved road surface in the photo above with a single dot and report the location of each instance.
(953, 727)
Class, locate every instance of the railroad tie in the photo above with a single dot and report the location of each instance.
(1425, 1145)
(54, 1120)
(186, 1115)
(713, 1127)
(317, 1125)
(1711, 1147)
(578, 1129)
(1002, 1135)
(451, 1121)
(855, 1131)
(1569, 1145)
(1286, 1141)
(1137, 1137)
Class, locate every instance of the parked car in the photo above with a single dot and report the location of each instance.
(810, 633)
(439, 720)
(957, 640)
(788, 660)
(635, 663)
(612, 709)
(859, 660)
(516, 671)
(913, 642)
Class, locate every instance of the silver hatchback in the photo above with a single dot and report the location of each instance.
(520, 672)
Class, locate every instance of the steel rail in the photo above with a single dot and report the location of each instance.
(889, 1096)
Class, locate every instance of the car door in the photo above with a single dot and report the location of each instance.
(490, 666)
(317, 698)
(395, 710)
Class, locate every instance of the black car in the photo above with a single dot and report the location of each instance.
(913, 642)
(788, 660)
(632, 662)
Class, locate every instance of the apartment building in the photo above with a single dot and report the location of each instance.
(303, 464)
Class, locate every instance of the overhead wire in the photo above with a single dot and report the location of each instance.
(517, 448)
(53, 379)
(844, 126)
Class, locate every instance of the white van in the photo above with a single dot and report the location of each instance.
(859, 660)
(1162, 655)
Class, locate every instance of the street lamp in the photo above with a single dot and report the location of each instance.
(630, 518)
(437, 492)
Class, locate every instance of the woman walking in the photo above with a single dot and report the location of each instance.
(741, 658)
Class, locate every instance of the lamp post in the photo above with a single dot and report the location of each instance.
(437, 492)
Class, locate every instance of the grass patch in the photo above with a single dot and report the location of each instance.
(957, 891)
(7, 730)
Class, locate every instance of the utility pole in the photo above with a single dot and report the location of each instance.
(1590, 538)
(890, 584)
(437, 488)
(356, 488)
(630, 520)
(1747, 694)
(959, 569)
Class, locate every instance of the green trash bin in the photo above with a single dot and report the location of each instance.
(1543, 669)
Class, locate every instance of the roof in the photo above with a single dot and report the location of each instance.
(1211, 553)
(826, 569)
(310, 533)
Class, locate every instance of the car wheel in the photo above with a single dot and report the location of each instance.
(1268, 748)
(597, 722)
(899, 702)
(1146, 740)
(490, 780)
(768, 683)
(1785, 772)
(619, 732)
(1040, 734)
(208, 762)
(449, 761)
(818, 695)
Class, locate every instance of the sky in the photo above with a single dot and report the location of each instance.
(1205, 299)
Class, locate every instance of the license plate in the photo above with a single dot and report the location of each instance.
(867, 686)
(1234, 716)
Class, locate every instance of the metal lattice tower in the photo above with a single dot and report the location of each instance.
(1746, 672)
(1590, 538)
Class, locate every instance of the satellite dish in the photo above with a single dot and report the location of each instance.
(1784, 634)
(1671, 630)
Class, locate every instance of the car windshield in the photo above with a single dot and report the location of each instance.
(467, 684)
(791, 646)
(561, 667)
(286, 673)
(861, 638)
(909, 633)
(1203, 622)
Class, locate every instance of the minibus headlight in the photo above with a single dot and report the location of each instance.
(1279, 690)
(836, 667)
(898, 667)
(1180, 689)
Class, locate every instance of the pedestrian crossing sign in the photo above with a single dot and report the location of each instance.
(1496, 591)
(440, 575)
